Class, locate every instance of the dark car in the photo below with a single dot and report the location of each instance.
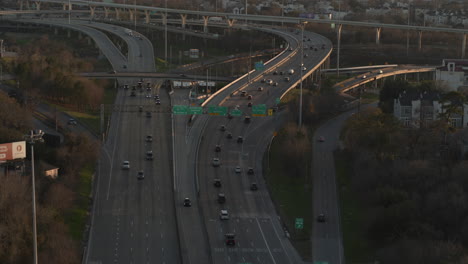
(240, 139)
(250, 171)
(321, 218)
(229, 135)
(249, 104)
(229, 116)
(221, 198)
(230, 239)
(223, 128)
(247, 119)
(217, 183)
(132, 94)
(149, 155)
(249, 97)
(148, 114)
(140, 108)
(149, 138)
(72, 121)
(253, 186)
(187, 202)
(218, 148)
(275, 73)
(126, 86)
(243, 93)
(140, 175)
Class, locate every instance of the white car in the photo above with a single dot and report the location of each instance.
(237, 169)
(224, 215)
(126, 165)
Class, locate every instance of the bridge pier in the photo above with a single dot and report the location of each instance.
(89, 40)
(184, 20)
(205, 24)
(377, 35)
(20, 5)
(64, 6)
(117, 13)
(68, 33)
(92, 8)
(164, 19)
(79, 35)
(55, 31)
(131, 14)
(420, 40)
(106, 12)
(38, 5)
(463, 46)
(338, 35)
(147, 16)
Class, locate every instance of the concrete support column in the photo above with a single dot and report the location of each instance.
(377, 35)
(20, 5)
(338, 35)
(38, 5)
(184, 20)
(205, 24)
(147, 16)
(92, 8)
(131, 14)
(117, 14)
(164, 19)
(106, 12)
(89, 40)
(79, 35)
(463, 46)
(68, 33)
(64, 6)
(55, 31)
(230, 22)
(420, 40)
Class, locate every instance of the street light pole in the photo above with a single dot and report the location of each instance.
(165, 35)
(134, 13)
(69, 12)
(301, 70)
(32, 138)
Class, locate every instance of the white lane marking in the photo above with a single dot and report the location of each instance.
(112, 160)
(266, 243)
(281, 242)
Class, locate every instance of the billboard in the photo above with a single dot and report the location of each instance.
(11, 151)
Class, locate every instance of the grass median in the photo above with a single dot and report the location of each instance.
(291, 196)
(76, 217)
(357, 248)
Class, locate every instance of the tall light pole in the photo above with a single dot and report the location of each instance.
(303, 23)
(69, 12)
(134, 13)
(165, 35)
(35, 135)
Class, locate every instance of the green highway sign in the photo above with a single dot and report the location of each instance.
(278, 100)
(195, 110)
(179, 109)
(299, 224)
(259, 66)
(259, 110)
(236, 112)
(217, 110)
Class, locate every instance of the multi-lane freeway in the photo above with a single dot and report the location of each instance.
(144, 221)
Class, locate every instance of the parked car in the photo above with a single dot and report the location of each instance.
(149, 155)
(230, 239)
(221, 198)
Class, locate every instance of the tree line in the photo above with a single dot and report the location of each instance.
(411, 183)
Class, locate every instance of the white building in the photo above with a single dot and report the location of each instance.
(415, 109)
(454, 74)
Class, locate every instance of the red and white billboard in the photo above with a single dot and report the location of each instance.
(11, 151)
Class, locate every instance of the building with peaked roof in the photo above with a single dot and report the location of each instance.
(454, 74)
(415, 109)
